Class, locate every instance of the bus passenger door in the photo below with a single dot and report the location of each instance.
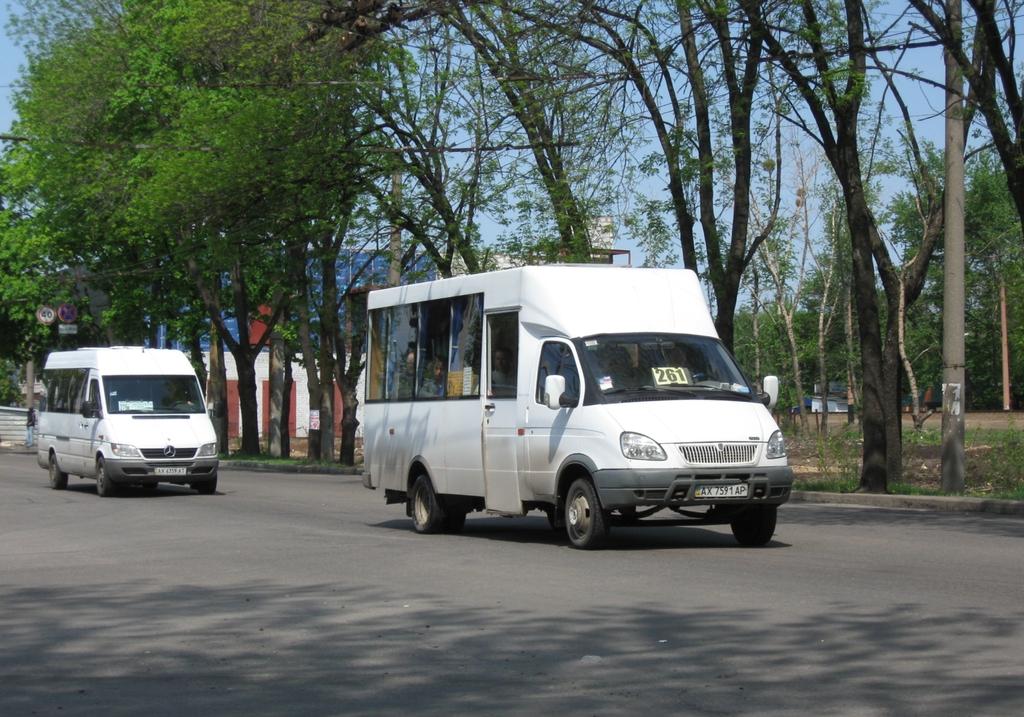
(91, 425)
(500, 430)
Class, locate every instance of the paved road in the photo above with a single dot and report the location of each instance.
(305, 595)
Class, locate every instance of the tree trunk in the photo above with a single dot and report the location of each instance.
(873, 412)
(852, 389)
(245, 364)
(348, 380)
(276, 395)
(328, 330)
(217, 390)
(287, 408)
(794, 353)
(822, 375)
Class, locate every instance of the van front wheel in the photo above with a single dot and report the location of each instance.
(104, 486)
(58, 478)
(427, 516)
(585, 522)
(756, 525)
(206, 487)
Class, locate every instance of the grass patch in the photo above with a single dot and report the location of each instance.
(275, 461)
(994, 462)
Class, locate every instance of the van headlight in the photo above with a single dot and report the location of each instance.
(123, 450)
(207, 449)
(641, 448)
(776, 446)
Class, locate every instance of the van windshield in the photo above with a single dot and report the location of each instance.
(636, 367)
(153, 394)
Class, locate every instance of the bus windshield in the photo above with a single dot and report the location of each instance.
(153, 394)
(625, 366)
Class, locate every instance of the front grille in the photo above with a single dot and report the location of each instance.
(158, 453)
(718, 454)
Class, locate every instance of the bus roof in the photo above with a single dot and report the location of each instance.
(577, 300)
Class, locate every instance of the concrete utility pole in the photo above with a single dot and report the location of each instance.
(1006, 345)
(953, 291)
(30, 383)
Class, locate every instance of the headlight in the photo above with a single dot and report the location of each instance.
(207, 449)
(123, 450)
(776, 446)
(641, 448)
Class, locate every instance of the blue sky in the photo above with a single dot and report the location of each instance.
(11, 58)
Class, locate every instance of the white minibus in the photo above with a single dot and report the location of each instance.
(600, 395)
(125, 416)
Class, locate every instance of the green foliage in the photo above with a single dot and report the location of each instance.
(10, 391)
(839, 455)
(994, 462)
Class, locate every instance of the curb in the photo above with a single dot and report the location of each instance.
(940, 504)
(257, 467)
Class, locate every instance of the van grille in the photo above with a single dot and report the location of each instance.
(158, 453)
(718, 454)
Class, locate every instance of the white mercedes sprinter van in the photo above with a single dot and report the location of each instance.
(600, 395)
(124, 416)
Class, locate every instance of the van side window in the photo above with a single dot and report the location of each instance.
(426, 350)
(94, 393)
(402, 353)
(378, 354)
(464, 363)
(76, 390)
(434, 344)
(556, 360)
(503, 334)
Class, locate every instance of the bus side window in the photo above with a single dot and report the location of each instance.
(504, 347)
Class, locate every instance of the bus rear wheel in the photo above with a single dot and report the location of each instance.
(427, 515)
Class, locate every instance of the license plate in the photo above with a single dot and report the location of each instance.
(735, 490)
(170, 470)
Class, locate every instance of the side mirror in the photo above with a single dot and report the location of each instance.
(90, 409)
(770, 395)
(213, 410)
(554, 390)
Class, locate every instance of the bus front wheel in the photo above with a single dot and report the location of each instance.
(585, 521)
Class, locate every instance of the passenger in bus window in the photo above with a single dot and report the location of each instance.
(503, 374)
(434, 380)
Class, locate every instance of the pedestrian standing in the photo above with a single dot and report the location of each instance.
(30, 425)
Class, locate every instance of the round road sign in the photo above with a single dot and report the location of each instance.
(67, 313)
(46, 315)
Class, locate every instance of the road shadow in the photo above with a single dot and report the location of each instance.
(826, 516)
(260, 648)
(535, 530)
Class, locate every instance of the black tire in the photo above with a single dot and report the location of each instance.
(105, 488)
(756, 525)
(206, 487)
(58, 478)
(627, 516)
(554, 519)
(454, 520)
(585, 521)
(425, 508)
